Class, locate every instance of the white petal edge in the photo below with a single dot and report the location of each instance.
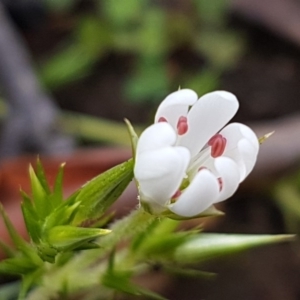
(249, 156)
(198, 196)
(159, 173)
(229, 173)
(156, 136)
(242, 146)
(206, 117)
(236, 131)
(176, 105)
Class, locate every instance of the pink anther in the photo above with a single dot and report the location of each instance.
(182, 125)
(218, 144)
(162, 119)
(177, 194)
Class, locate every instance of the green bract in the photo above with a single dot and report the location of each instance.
(52, 223)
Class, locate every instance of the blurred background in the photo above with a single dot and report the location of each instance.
(71, 70)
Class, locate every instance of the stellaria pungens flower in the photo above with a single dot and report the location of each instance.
(185, 162)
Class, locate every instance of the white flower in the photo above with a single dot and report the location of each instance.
(184, 163)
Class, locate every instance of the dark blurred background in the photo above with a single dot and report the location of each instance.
(71, 70)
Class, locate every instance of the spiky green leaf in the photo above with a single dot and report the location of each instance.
(208, 246)
(68, 237)
(43, 207)
(31, 218)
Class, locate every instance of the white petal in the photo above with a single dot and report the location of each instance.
(242, 146)
(176, 105)
(249, 156)
(156, 136)
(229, 174)
(235, 132)
(207, 116)
(202, 192)
(160, 172)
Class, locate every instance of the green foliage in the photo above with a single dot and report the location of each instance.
(151, 33)
(52, 223)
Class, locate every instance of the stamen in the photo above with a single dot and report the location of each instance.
(177, 194)
(182, 125)
(162, 119)
(218, 144)
(220, 183)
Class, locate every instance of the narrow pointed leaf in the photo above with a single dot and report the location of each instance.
(43, 207)
(57, 196)
(30, 217)
(21, 244)
(212, 211)
(208, 246)
(14, 235)
(40, 172)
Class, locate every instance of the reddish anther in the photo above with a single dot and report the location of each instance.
(177, 194)
(182, 125)
(220, 183)
(162, 119)
(218, 144)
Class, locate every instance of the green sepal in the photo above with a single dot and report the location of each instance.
(65, 238)
(206, 246)
(96, 196)
(133, 137)
(212, 211)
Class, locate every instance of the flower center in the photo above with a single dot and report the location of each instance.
(218, 144)
(182, 125)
